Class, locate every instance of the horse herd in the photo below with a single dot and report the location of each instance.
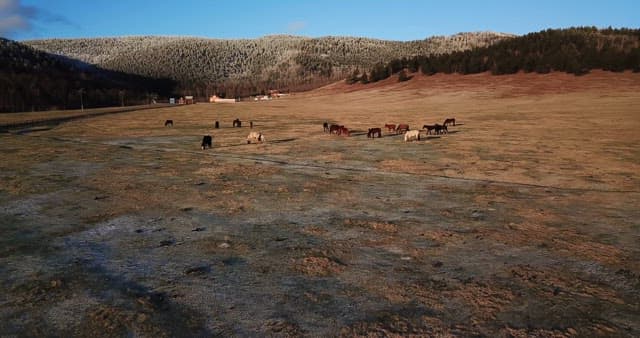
(207, 140)
(409, 135)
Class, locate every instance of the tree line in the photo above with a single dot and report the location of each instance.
(574, 50)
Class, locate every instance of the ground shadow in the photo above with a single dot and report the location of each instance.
(283, 140)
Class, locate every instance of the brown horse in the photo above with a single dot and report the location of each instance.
(450, 121)
(334, 129)
(441, 129)
(168, 123)
(326, 127)
(429, 128)
(237, 123)
(373, 131)
(344, 131)
(402, 128)
(390, 127)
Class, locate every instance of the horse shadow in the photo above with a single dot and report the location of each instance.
(283, 140)
(358, 132)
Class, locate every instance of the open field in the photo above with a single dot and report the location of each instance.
(522, 221)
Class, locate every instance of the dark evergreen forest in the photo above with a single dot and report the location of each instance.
(32, 80)
(574, 50)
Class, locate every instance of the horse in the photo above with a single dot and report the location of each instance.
(217, 125)
(429, 128)
(344, 131)
(168, 123)
(402, 128)
(440, 129)
(206, 142)
(251, 124)
(373, 131)
(335, 129)
(390, 127)
(237, 123)
(449, 122)
(255, 136)
(412, 135)
(326, 127)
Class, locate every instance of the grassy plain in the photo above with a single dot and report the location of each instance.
(522, 221)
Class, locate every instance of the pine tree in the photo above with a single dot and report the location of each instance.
(402, 76)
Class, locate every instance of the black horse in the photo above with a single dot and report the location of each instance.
(206, 142)
(373, 131)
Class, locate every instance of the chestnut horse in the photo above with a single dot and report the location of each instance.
(450, 121)
(402, 128)
(390, 127)
(344, 131)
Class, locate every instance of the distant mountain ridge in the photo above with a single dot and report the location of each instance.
(240, 66)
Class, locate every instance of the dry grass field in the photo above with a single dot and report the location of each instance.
(523, 220)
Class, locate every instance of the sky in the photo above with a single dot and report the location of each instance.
(382, 19)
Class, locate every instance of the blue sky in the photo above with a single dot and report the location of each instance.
(393, 20)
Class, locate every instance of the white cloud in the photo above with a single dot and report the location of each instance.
(16, 17)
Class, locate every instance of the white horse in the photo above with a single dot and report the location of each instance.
(411, 135)
(255, 136)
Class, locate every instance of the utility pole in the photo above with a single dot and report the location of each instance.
(81, 102)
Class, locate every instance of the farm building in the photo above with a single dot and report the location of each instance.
(186, 100)
(216, 99)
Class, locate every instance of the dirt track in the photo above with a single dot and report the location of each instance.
(522, 221)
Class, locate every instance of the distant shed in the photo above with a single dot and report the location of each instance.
(216, 99)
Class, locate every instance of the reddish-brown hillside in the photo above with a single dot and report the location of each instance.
(510, 85)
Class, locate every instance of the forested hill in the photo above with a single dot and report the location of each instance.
(574, 50)
(32, 80)
(247, 66)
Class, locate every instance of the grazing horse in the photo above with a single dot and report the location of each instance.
(441, 129)
(412, 135)
(402, 128)
(168, 123)
(237, 123)
(335, 129)
(344, 131)
(251, 124)
(255, 136)
(373, 131)
(326, 127)
(390, 127)
(450, 121)
(206, 142)
(429, 128)
(217, 125)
